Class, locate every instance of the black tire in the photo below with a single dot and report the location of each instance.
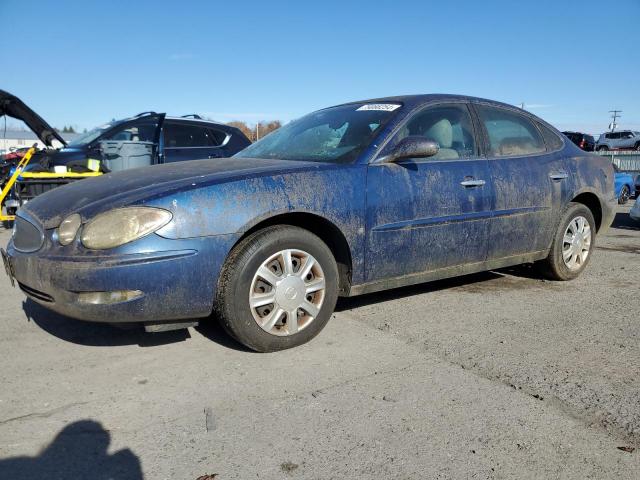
(553, 266)
(232, 295)
(603, 148)
(625, 193)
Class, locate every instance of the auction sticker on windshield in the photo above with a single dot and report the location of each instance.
(385, 107)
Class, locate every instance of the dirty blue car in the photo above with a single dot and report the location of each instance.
(348, 200)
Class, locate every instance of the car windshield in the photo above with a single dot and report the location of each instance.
(89, 136)
(336, 135)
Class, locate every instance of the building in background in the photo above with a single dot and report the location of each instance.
(26, 138)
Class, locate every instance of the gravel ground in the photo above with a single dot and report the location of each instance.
(496, 375)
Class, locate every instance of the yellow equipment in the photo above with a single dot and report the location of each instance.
(24, 161)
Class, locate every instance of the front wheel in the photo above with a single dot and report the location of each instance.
(278, 288)
(572, 244)
(625, 193)
(603, 148)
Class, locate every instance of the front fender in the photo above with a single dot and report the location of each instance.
(233, 207)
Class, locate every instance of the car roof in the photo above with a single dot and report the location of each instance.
(417, 99)
(193, 120)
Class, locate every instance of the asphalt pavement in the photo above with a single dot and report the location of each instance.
(495, 375)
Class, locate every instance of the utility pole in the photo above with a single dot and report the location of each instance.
(258, 131)
(522, 105)
(615, 114)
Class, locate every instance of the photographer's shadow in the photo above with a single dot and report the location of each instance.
(96, 334)
(80, 450)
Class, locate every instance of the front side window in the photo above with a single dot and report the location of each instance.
(178, 135)
(510, 134)
(337, 135)
(142, 131)
(448, 125)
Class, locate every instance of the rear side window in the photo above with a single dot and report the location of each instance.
(552, 140)
(178, 135)
(510, 134)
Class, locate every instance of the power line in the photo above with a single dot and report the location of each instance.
(615, 115)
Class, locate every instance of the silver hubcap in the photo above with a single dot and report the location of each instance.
(287, 292)
(576, 243)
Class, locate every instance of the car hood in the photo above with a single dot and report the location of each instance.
(138, 186)
(14, 107)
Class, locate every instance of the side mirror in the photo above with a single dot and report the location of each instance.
(413, 146)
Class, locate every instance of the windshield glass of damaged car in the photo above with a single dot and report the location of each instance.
(336, 135)
(88, 137)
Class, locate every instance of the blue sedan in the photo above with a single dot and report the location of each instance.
(624, 186)
(352, 199)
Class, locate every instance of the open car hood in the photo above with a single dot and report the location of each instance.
(14, 107)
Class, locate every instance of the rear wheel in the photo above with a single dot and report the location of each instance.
(625, 193)
(278, 288)
(638, 146)
(572, 244)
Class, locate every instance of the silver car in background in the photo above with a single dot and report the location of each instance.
(624, 139)
(635, 210)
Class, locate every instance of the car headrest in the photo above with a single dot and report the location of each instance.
(441, 132)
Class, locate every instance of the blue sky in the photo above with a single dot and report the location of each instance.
(83, 63)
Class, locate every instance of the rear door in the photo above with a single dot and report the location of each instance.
(191, 141)
(528, 182)
(424, 214)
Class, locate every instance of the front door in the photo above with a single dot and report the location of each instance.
(529, 181)
(132, 144)
(424, 214)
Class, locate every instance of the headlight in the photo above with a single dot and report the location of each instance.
(68, 229)
(123, 225)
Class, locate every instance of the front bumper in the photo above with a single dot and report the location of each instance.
(635, 211)
(177, 278)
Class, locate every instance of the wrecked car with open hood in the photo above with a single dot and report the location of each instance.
(148, 138)
(351, 199)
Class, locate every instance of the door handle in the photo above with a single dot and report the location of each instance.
(472, 183)
(558, 176)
